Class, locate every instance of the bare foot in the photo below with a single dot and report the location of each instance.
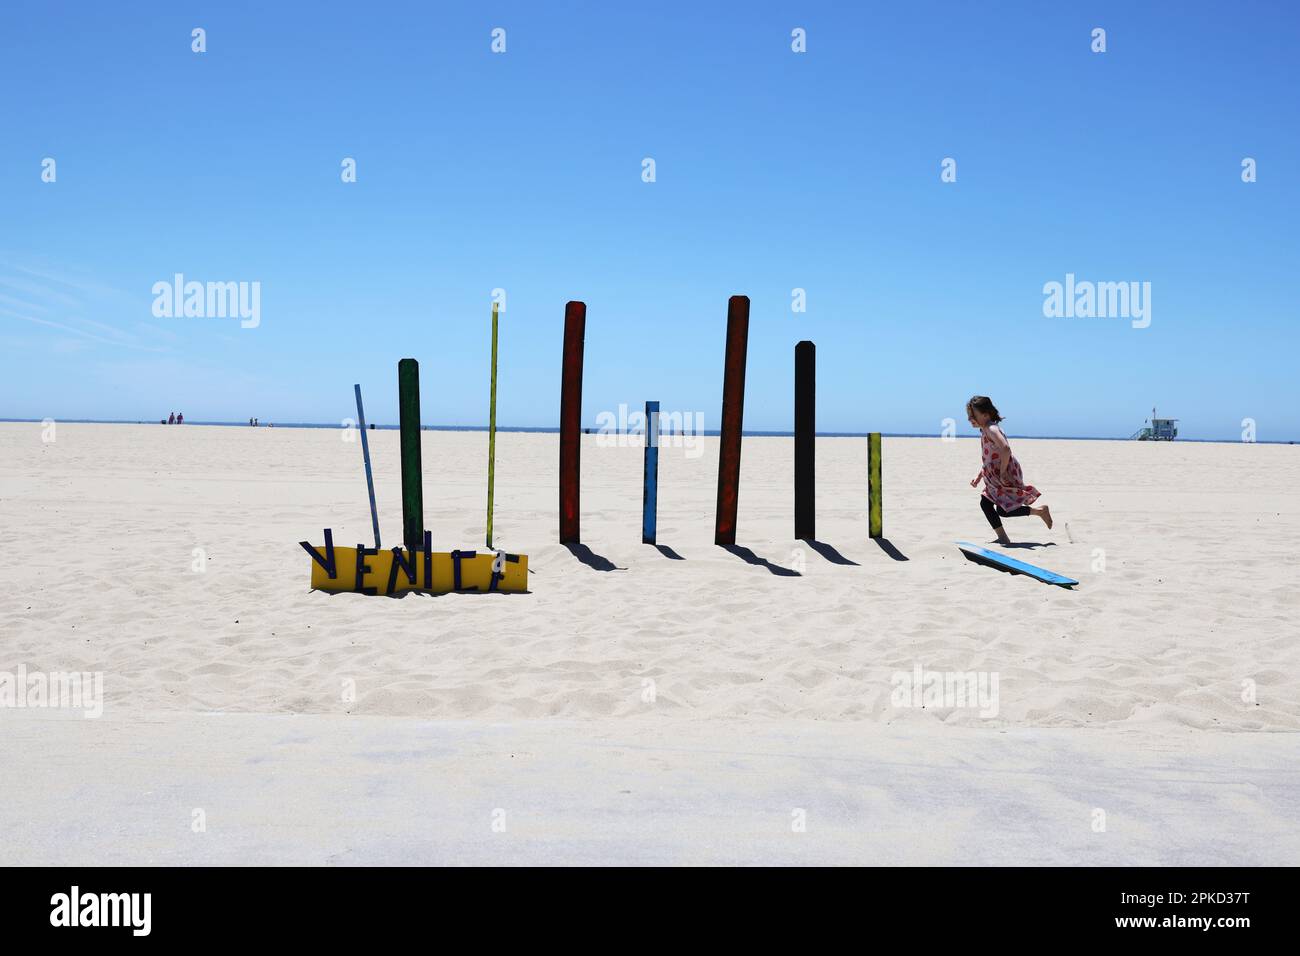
(1046, 514)
(1001, 538)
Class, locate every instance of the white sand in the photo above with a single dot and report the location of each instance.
(1195, 606)
(1198, 592)
(381, 790)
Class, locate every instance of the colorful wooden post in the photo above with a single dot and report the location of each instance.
(650, 494)
(733, 414)
(365, 454)
(492, 427)
(575, 327)
(408, 402)
(805, 432)
(875, 515)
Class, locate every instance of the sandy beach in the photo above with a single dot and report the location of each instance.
(1195, 597)
(167, 559)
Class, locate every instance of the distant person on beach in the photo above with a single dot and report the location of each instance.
(171, 419)
(180, 419)
(1005, 493)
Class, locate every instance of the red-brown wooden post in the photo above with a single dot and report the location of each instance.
(733, 414)
(575, 326)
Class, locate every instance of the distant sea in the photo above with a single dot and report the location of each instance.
(593, 429)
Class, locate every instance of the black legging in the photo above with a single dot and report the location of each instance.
(992, 512)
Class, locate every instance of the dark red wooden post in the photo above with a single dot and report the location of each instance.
(733, 414)
(575, 327)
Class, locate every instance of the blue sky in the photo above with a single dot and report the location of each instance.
(774, 171)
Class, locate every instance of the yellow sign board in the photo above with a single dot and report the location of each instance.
(393, 571)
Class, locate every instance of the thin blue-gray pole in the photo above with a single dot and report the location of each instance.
(365, 453)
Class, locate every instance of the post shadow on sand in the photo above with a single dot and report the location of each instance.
(668, 552)
(592, 560)
(749, 557)
(828, 552)
(887, 546)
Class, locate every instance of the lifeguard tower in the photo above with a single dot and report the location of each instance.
(1157, 429)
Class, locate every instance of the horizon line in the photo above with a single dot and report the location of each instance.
(555, 429)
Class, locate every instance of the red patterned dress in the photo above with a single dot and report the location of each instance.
(1009, 493)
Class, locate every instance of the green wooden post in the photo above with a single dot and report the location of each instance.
(408, 401)
(873, 486)
(492, 426)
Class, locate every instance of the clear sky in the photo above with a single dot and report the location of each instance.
(775, 170)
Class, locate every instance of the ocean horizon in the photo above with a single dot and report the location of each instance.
(708, 432)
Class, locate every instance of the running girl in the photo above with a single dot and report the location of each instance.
(1005, 493)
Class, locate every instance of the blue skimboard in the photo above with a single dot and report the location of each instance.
(1004, 562)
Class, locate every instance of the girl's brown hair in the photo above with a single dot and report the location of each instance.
(982, 403)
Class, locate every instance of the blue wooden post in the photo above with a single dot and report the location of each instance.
(650, 498)
(365, 453)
